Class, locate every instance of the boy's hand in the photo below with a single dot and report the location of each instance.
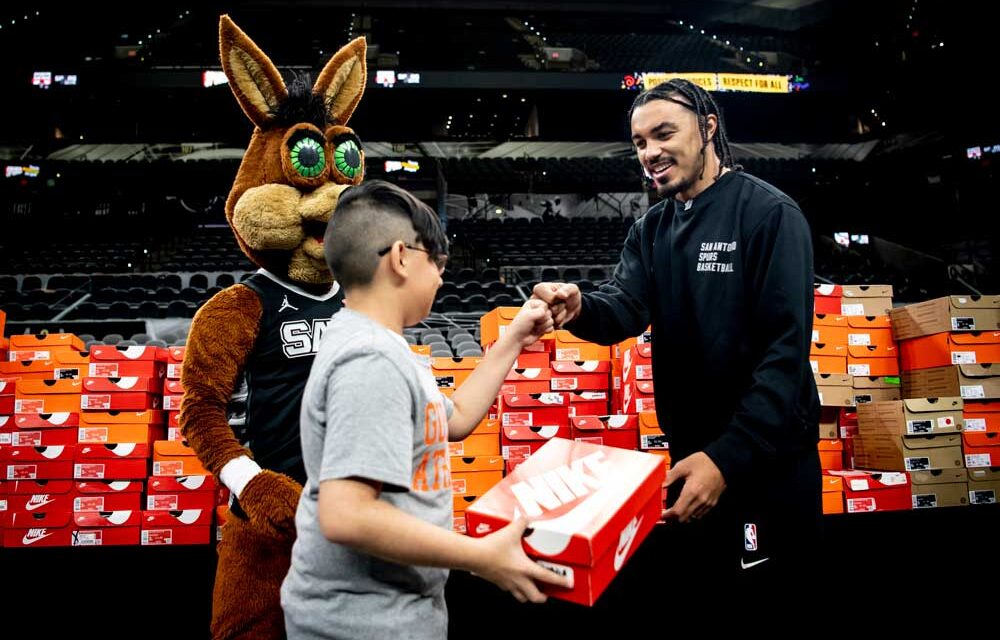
(532, 322)
(563, 299)
(506, 565)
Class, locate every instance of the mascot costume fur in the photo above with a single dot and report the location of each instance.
(264, 331)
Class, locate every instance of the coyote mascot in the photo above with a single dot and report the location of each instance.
(264, 332)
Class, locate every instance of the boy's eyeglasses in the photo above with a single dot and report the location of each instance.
(440, 259)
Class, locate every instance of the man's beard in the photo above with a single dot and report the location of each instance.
(671, 190)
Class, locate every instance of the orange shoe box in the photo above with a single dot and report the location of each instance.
(866, 331)
(476, 444)
(570, 347)
(830, 329)
(42, 369)
(171, 458)
(450, 373)
(651, 436)
(590, 508)
(828, 358)
(943, 349)
(493, 324)
(66, 341)
(831, 455)
(70, 364)
(873, 360)
(833, 494)
(475, 475)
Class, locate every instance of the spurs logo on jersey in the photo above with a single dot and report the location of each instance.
(301, 337)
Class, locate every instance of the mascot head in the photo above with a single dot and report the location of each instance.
(301, 157)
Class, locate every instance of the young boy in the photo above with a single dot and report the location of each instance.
(374, 522)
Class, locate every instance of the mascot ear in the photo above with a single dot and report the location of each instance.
(255, 81)
(342, 81)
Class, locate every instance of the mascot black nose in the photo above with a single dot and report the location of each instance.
(308, 156)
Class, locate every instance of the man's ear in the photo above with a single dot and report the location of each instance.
(711, 126)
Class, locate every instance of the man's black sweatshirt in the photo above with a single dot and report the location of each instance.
(726, 281)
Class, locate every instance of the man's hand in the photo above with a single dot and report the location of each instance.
(563, 299)
(532, 322)
(703, 484)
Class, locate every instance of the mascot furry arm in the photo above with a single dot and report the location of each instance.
(301, 157)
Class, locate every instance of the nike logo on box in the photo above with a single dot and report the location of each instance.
(31, 506)
(34, 536)
(625, 541)
(746, 565)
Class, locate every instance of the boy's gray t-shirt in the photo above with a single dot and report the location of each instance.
(371, 409)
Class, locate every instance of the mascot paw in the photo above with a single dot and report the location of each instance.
(270, 500)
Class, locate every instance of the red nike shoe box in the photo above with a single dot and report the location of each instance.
(638, 396)
(589, 506)
(41, 437)
(129, 401)
(38, 529)
(29, 496)
(192, 526)
(534, 410)
(867, 491)
(145, 369)
(182, 484)
(39, 463)
(174, 387)
(108, 495)
(827, 298)
(133, 353)
(122, 461)
(527, 381)
(611, 431)
(520, 442)
(584, 375)
(47, 420)
(587, 403)
(175, 360)
(132, 384)
(106, 528)
(637, 363)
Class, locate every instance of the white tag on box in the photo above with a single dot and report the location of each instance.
(87, 538)
(963, 324)
(852, 309)
(860, 505)
(815, 335)
(975, 424)
(859, 339)
(977, 460)
(963, 357)
(859, 369)
(815, 366)
(917, 464)
(982, 496)
(858, 484)
(973, 391)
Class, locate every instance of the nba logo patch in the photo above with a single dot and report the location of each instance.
(750, 537)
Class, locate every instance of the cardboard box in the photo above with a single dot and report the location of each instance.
(829, 423)
(176, 459)
(866, 300)
(873, 360)
(590, 508)
(876, 389)
(865, 492)
(981, 449)
(952, 313)
(909, 435)
(969, 381)
(984, 486)
(913, 417)
(943, 349)
(940, 488)
(981, 416)
(827, 298)
(611, 431)
(450, 373)
(475, 475)
(835, 390)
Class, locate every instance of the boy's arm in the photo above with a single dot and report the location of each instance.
(477, 393)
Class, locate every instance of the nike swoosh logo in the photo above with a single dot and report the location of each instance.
(747, 565)
(622, 551)
(553, 536)
(37, 505)
(29, 540)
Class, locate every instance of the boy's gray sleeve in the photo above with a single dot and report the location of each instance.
(369, 423)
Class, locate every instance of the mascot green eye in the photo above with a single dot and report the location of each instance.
(347, 158)
(308, 157)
